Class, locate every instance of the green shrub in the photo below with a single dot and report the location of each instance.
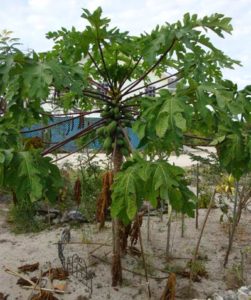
(91, 182)
(204, 200)
(90, 177)
(198, 268)
(23, 215)
(23, 218)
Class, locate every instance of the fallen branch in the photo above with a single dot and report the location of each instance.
(32, 285)
(85, 243)
(45, 289)
(11, 272)
(95, 249)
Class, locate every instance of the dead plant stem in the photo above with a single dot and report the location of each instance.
(143, 258)
(234, 224)
(200, 237)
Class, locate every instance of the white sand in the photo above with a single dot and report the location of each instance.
(16, 250)
(184, 160)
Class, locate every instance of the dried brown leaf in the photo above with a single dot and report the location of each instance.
(3, 297)
(22, 281)
(29, 267)
(124, 232)
(56, 273)
(44, 295)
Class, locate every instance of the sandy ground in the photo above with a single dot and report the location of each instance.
(16, 250)
(184, 160)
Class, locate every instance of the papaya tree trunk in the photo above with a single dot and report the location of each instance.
(116, 224)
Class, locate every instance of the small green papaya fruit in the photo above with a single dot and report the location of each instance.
(107, 143)
(100, 131)
(116, 111)
(112, 127)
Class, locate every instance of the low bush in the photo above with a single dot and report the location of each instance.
(23, 218)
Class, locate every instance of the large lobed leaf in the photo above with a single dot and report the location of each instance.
(28, 174)
(162, 121)
(144, 180)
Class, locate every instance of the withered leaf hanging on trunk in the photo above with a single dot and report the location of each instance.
(134, 233)
(124, 233)
(104, 199)
(169, 291)
(29, 267)
(77, 191)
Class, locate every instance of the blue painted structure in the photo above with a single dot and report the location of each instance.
(67, 129)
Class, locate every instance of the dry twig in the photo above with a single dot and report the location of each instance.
(32, 285)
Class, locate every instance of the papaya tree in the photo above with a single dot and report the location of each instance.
(23, 172)
(103, 70)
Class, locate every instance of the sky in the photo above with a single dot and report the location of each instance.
(30, 20)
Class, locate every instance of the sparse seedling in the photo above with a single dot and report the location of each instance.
(198, 268)
(234, 277)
